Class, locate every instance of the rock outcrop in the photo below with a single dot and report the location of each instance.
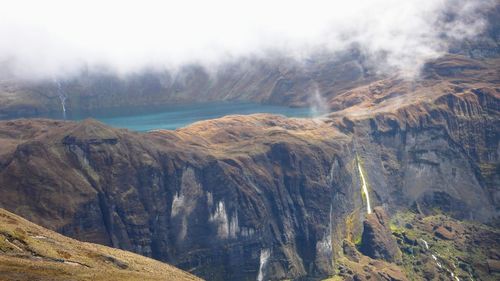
(377, 241)
(209, 198)
(276, 79)
(233, 197)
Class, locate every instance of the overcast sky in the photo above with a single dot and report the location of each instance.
(49, 37)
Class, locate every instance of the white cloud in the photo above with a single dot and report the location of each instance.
(52, 37)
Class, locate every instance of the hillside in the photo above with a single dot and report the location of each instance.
(145, 141)
(31, 252)
(239, 196)
(278, 79)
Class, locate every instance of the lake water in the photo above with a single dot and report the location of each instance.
(173, 117)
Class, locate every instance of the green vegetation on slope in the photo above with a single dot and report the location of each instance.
(437, 246)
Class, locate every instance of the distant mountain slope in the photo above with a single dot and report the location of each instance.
(31, 252)
(275, 79)
(239, 196)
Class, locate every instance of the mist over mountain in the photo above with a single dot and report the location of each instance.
(271, 75)
(57, 38)
(305, 140)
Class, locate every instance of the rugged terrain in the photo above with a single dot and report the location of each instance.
(401, 181)
(273, 78)
(268, 197)
(411, 246)
(31, 252)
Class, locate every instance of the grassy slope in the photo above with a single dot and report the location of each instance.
(31, 252)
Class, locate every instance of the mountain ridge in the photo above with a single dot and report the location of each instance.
(212, 196)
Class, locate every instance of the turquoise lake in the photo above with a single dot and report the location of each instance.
(173, 117)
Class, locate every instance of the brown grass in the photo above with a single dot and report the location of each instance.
(31, 252)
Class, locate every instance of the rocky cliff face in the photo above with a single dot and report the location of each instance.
(262, 196)
(430, 148)
(378, 242)
(275, 79)
(272, 80)
(177, 198)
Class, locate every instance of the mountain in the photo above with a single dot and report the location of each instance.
(31, 252)
(271, 79)
(268, 197)
(400, 181)
(275, 79)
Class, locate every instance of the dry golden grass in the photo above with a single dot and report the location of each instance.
(235, 135)
(31, 252)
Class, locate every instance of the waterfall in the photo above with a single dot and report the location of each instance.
(330, 235)
(426, 244)
(221, 219)
(264, 257)
(436, 260)
(62, 97)
(324, 248)
(365, 189)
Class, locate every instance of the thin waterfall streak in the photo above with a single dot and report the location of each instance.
(365, 189)
(62, 97)
(264, 257)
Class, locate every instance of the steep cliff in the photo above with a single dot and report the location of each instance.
(195, 197)
(276, 79)
(263, 196)
(273, 79)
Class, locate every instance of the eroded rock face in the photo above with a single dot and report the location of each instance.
(439, 154)
(212, 197)
(356, 266)
(174, 201)
(272, 80)
(377, 240)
